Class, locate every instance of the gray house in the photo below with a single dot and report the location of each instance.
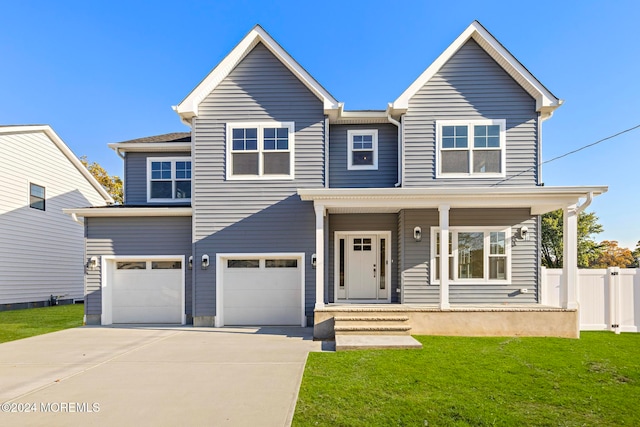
(280, 207)
(41, 251)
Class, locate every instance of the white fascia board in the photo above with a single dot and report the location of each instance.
(546, 102)
(149, 147)
(538, 199)
(188, 108)
(124, 212)
(53, 136)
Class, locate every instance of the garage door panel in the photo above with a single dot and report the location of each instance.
(262, 296)
(147, 295)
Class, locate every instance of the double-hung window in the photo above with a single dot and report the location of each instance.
(260, 150)
(476, 254)
(362, 149)
(471, 148)
(37, 197)
(169, 179)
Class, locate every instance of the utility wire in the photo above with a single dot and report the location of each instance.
(569, 153)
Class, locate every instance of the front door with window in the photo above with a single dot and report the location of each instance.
(362, 267)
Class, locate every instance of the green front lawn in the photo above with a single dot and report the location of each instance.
(593, 381)
(18, 324)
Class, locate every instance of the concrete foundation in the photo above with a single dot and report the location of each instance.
(533, 321)
(204, 321)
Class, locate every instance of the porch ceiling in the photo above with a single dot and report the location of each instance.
(389, 200)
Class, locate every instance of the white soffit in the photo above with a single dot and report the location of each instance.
(188, 108)
(546, 102)
(155, 147)
(129, 211)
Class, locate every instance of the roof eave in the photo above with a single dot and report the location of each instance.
(129, 212)
(151, 147)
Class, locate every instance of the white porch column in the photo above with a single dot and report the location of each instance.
(569, 289)
(320, 212)
(444, 256)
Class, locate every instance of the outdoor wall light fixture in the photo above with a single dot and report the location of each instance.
(93, 263)
(205, 261)
(524, 233)
(191, 263)
(417, 233)
(313, 260)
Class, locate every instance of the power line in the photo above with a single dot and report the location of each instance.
(569, 153)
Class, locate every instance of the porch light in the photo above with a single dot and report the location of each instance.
(417, 233)
(93, 263)
(313, 260)
(524, 233)
(205, 261)
(191, 263)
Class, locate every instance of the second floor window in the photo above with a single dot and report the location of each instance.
(169, 179)
(260, 150)
(471, 148)
(363, 149)
(36, 197)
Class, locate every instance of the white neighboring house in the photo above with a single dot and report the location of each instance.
(41, 251)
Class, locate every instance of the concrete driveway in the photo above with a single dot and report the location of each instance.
(158, 376)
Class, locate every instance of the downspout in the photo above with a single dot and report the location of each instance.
(119, 153)
(326, 152)
(586, 204)
(539, 159)
(76, 219)
(400, 148)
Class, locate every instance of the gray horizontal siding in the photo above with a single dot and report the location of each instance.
(135, 236)
(387, 173)
(416, 260)
(257, 215)
(363, 222)
(135, 176)
(470, 86)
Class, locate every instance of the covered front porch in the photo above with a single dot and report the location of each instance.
(424, 293)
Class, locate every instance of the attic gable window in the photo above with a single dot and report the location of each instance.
(471, 148)
(169, 179)
(260, 150)
(36, 197)
(362, 149)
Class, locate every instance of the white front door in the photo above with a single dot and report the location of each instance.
(362, 277)
(362, 266)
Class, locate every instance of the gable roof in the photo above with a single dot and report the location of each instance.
(47, 130)
(546, 102)
(168, 142)
(165, 137)
(188, 108)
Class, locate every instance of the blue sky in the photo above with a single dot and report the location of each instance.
(108, 71)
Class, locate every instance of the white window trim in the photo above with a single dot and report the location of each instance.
(173, 161)
(470, 123)
(350, 134)
(487, 245)
(260, 126)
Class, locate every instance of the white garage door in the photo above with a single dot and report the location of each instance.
(262, 291)
(147, 292)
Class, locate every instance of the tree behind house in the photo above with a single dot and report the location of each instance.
(551, 239)
(613, 256)
(111, 183)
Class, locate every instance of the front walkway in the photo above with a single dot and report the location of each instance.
(154, 376)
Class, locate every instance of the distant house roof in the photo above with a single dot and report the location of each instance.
(168, 142)
(167, 137)
(53, 136)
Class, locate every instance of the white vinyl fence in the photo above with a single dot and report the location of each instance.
(609, 298)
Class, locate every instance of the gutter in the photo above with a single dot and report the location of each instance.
(75, 218)
(586, 204)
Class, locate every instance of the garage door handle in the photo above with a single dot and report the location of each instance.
(374, 270)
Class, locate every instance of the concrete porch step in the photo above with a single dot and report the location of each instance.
(368, 329)
(363, 342)
(371, 318)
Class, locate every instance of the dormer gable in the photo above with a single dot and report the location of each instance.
(546, 102)
(188, 108)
